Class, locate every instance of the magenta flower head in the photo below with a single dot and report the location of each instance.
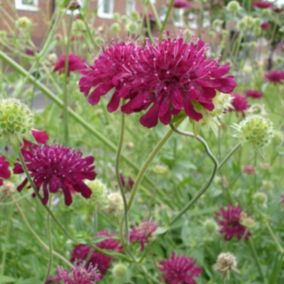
(55, 168)
(179, 270)
(265, 26)
(239, 103)
(84, 254)
(142, 233)
(229, 221)
(254, 94)
(275, 76)
(182, 4)
(4, 169)
(78, 275)
(262, 4)
(75, 64)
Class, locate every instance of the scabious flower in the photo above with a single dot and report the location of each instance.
(229, 221)
(262, 4)
(226, 263)
(233, 7)
(55, 168)
(78, 275)
(255, 94)
(249, 170)
(182, 4)
(239, 103)
(142, 233)
(75, 63)
(275, 76)
(4, 169)
(179, 270)
(84, 254)
(164, 79)
(265, 26)
(126, 182)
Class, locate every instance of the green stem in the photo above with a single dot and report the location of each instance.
(274, 237)
(146, 164)
(223, 162)
(50, 246)
(164, 24)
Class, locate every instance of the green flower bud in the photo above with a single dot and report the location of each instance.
(16, 119)
(78, 26)
(99, 41)
(120, 273)
(24, 23)
(132, 27)
(114, 204)
(233, 7)
(210, 226)
(267, 185)
(260, 199)
(115, 28)
(255, 130)
(135, 16)
(217, 24)
(99, 192)
(160, 169)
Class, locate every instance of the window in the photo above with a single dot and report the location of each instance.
(28, 5)
(179, 17)
(192, 21)
(130, 6)
(105, 8)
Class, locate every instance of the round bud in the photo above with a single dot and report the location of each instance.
(226, 263)
(24, 23)
(132, 27)
(260, 199)
(120, 273)
(210, 226)
(99, 41)
(115, 28)
(160, 169)
(99, 192)
(114, 204)
(233, 7)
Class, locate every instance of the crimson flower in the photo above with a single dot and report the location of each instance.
(179, 270)
(255, 94)
(262, 4)
(55, 168)
(142, 233)
(182, 4)
(229, 221)
(84, 254)
(4, 169)
(275, 76)
(249, 170)
(75, 63)
(239, 103)
(265, 26)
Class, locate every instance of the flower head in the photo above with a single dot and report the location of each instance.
(24, 23)
(275, 76)
(142, 233)
(262, 4)
(88, 256)
(249, 170)
(265, 26)
(179, 270)
(233, 7)
(75, 63)
(255, 94)
(4, 169)
(239, 103)
(226, 263)
(229, 221)
(182, 4)
(55, 168)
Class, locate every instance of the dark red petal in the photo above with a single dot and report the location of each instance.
(150, 118)
(41, 137)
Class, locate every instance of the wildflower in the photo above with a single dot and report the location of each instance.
(210, 226)
(260, 199)
(249, 170)
(233, 7)
(99, 192)
(75, 63)
(226, 263)
(24, 23)
(265, 26)
(78, 275)
(29, 52)
(239, 103)
(275, 76)
(115, 28)
(55, 168)
(254, 94)
(127, 183)
(142, 233)
(179, 270)
(16, 119)
(4, 169)
(229, 221)
(262, 4)
(120, 273)
(114, 204)
(256, 130)
(182, 4)
(90, 257)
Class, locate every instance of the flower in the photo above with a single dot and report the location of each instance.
(75, 63)
(262, 4)
(24, 23)
(114, 204)
(78, 275)
(233, 7)
(265, 26)
(126, 185)
(179, 270)
(54, 168)
(275, 76)
(239, 103)
(4, 169)
(254, 94)
(229, 221)
(164, 78)
(260, 199)
(85, 254)
(249, 170)
(182, 4)
(142, 233)
(121, 273)
(226, 263)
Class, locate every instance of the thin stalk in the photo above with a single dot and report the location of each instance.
(223, 162)
(50, 258)
(121, 188)
(274, 237)
(164, 23)
(156, 15)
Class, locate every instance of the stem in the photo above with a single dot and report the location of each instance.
(117, 171)
(146, 164)
(169, 10)
(37, 237)
(223, 162)
(50, 246)
(274, 237)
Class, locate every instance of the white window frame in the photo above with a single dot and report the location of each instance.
(101, 12)
(19, 5)
(130, 6)
(179, 14)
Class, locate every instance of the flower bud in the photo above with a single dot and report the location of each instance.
(120, 273)
(115, 28)
(99, 192)
(114, 204)
(99, 41)
(226, 263)
(233, 7)
(160, 169)
(24, 23)
(260, 199)
(210, 226)
(132, 27)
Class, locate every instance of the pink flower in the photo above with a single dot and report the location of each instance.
(249, 170)
(239, 103)
(126, 183)
(179, 270)
(275, 76)
(55, 168)
(4, 169)
(182, 4)
(262, 4)
(75, 63)
(40, 136)
(88, 256)
(265, 26)
(255, 94)
(142, 233)
(229, 220)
